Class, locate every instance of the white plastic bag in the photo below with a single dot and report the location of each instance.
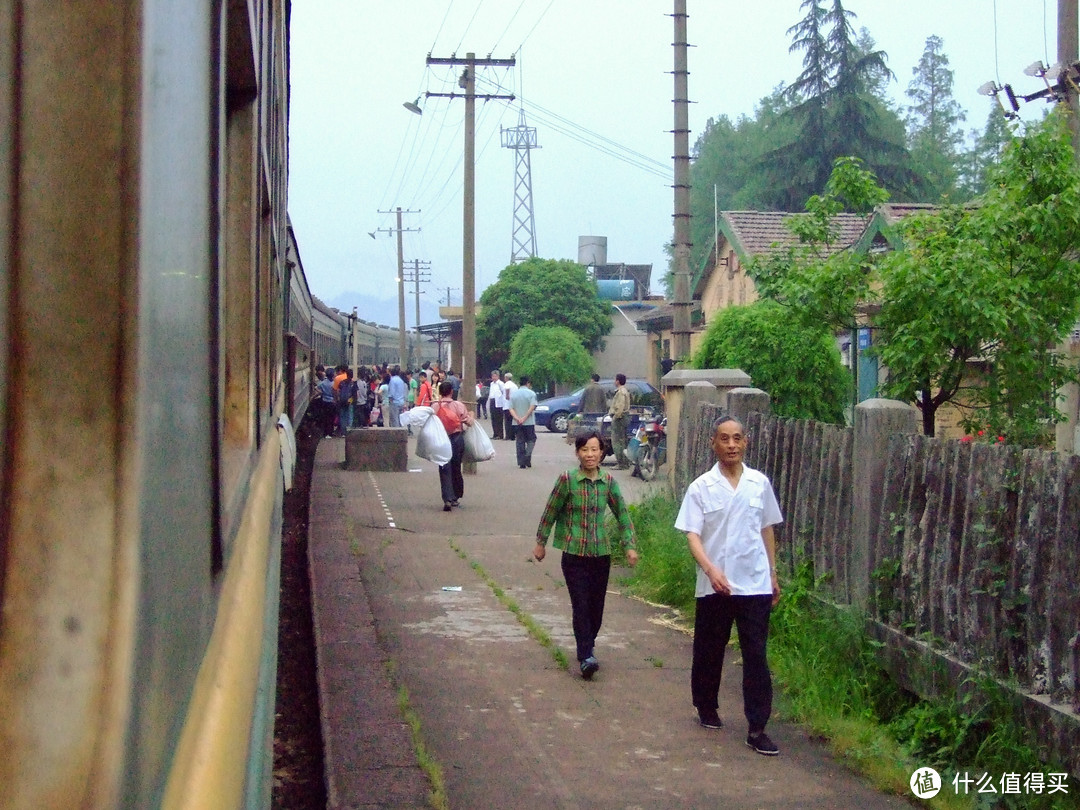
(477, 444)
(432, 443)
(416, 416)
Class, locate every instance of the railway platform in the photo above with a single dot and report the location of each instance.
(418, 608)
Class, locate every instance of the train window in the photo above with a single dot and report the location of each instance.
(239, 265)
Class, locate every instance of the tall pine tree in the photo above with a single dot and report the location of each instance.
(933, 120)
(835, 113)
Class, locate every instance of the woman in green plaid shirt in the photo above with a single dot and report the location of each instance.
(575, 509)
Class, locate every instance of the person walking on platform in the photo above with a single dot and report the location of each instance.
(455, 417)
(575, 509)
(620, 421)
(522, 405)
(593, 398)
(728, 516)
(398, 389)
(495, 405)
(481, 400)
(509, 387)
(327, 406)
(423, 393)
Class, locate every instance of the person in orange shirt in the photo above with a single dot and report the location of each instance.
(423, 394)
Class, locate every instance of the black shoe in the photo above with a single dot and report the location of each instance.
(709, 718)
(762, 744)
(589, 667)
(446, 506)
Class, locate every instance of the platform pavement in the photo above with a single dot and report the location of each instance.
(508, 726)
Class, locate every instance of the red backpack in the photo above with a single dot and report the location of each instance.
(450, 419)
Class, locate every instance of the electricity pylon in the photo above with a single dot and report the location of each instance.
(522, 139)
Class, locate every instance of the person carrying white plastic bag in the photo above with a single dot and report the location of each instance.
(455, 417)
(432, 441)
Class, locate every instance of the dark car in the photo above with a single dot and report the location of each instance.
(555, 413)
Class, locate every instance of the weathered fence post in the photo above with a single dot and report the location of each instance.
(875, 420)
(744, 401)
(694, 395)
(674, 383)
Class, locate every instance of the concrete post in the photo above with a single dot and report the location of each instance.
(744, 401)
(695, 394)
(875, 421)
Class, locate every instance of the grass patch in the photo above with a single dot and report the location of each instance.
(431, 768)
(528, 622)
(665, 571)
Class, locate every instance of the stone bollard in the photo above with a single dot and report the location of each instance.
(377, 449)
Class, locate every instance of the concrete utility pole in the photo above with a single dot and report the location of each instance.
(1068, 53)
(680, 330)
(468, 263)
(402, 346)
(418, 274)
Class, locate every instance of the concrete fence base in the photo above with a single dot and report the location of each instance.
(377, 449)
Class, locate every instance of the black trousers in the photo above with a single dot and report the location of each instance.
(496, 421)
(526, 440)
(451, 481)
(587, 581)
(510, 427)
(712, 630)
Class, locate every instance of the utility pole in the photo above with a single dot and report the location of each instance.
(468, 265)
(402, 348)
(1068, 53)
(418, 274)
(681, 318)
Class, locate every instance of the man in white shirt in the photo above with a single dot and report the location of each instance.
(728, 515)
(509, 387)
(495, 405)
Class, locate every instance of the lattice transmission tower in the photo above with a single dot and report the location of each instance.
(522, 139)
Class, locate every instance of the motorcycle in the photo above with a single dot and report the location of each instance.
(651, 450)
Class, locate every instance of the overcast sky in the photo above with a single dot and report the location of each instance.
(594, 76)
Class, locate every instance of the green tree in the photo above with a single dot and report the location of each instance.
(549, 355)
(994, 285)
(726, 172)
(835, 111)
(997, 283)
(798, 365)
(933, 120)
(975, 164)
(821, 281)
(540, 292)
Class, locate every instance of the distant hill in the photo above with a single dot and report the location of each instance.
(385, 310)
